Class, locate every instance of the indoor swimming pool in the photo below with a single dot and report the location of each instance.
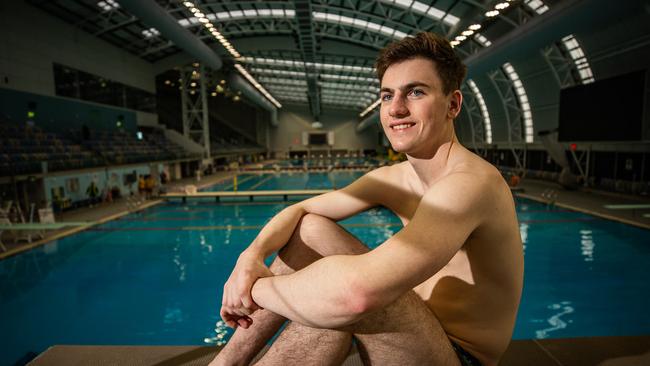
(155, 277)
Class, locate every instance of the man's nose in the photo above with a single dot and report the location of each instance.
(398, 107)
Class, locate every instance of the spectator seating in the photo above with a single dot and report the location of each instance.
(30, 150)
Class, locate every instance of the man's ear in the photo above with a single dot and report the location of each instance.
(455, 103)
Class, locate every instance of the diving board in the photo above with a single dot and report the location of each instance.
(250, 194)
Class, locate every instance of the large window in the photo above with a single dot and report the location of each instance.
(73, 83)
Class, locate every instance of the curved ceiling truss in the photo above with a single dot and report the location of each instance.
(298, 69)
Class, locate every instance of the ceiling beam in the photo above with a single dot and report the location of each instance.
(566, 17)
(307, 43)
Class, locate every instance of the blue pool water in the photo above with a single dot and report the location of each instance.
(156, 277)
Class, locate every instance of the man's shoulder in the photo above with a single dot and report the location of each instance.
(476, 170)
(388, 171)
(474, 182)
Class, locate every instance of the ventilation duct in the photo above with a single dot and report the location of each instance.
(372, 119)
(153, 15)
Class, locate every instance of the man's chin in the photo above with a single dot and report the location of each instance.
(400, 148)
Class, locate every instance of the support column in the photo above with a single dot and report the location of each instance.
(476, 122)
(561, 66)
(195, 106)
(514, 117)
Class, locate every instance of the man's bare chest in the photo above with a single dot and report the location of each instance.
(404, 205)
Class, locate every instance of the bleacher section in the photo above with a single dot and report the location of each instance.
(25, 149)
(232, 145)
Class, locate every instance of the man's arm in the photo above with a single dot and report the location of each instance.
(338, 290)
(360, 195)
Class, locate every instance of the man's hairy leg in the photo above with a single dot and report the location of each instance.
(309, 242)
(405, 332)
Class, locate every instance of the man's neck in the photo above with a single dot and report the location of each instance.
(430, 169)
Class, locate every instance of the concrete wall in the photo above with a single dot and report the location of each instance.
(294, 120)
(32, 40)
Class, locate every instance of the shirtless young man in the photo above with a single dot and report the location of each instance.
(442, 291)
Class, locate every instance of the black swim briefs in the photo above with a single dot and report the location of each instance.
(466, 358)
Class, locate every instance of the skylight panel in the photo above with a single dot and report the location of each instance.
(150, 33)
(579, 58)
(426, 10)
(404, 3)
(482, 40)
(355, 22)
(522, 97)
(237, 14)
(108, 5)
(487, 125)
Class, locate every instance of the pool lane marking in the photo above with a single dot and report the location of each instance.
(260, 183)
(627, 207)
(219, 227)
(259, 227)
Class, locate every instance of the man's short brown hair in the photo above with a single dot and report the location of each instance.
(431, 46)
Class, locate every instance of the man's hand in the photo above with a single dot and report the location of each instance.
(237, 303)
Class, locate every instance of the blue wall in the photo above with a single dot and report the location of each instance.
(60, 114)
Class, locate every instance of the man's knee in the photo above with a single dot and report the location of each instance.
(311, 228)
(320, 236)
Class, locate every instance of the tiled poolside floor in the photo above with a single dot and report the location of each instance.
(602, 351)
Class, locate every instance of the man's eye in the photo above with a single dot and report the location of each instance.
(386, 97)
(416, 92)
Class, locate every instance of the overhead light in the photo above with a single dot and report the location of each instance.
(492, 13)
(475, 27)
(461, 38)
(501, 6)
(468, 33)
(188, 4)
(454, 43)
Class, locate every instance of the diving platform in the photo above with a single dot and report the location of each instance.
(285, 194)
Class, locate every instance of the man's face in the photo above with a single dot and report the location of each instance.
(415, 113)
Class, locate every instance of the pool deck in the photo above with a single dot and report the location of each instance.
(603, 351)
(632, 210)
